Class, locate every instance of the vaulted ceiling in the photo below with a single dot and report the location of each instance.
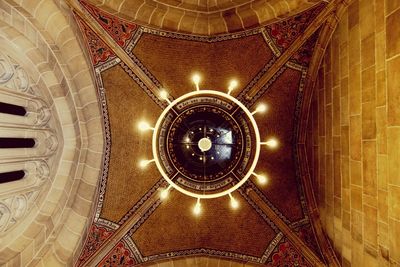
(204, 17)
(274, 57)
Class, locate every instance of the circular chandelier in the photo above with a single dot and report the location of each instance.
(206, 144)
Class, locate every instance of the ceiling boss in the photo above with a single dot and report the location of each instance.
(206, 144)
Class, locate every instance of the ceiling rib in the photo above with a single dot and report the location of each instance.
(109, 41)
(108, 245)
(284, 58)
(286, 230)
(319, 51)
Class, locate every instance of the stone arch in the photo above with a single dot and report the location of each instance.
(42, 34)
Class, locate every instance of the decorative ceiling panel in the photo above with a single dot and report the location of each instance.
(127, 183)
(285, 254)
(284, 33)
(120, 30)
(304, 54)
(131, 224)
(99, 52)
(172, 61)
(279, 164)
(172, 227)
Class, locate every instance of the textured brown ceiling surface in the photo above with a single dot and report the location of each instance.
(130, 224)
(172, 227)
(281, 98)
(126, 183)
(173, 61)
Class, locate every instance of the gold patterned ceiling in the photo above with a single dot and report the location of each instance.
(277, 223)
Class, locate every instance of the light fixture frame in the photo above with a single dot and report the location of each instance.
(155, 146)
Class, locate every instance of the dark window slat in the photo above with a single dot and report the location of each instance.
(6, 142)
(6, 177)
(12, 109)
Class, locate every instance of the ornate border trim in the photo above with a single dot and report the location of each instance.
(242, 96)
(131, 45)
(133, 248)
(107, 224)
(272, 247)
(270, 42)
(299, 102)
(138, 63)
(203, 252)
(259, 211)
(107, 131)
(205, 39)
(144, 217)
(161, 182)
(131, 74)
(265, 199)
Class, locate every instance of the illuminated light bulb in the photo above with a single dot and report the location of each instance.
(262, 179)
(196, 79)
(197, 208)
(164, 94)
(234, 202)
(144, 126)
(164, 193)
(232, 85)
(143, 163)
(261, 108)
(272, 143)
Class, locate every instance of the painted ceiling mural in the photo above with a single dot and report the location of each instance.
(277, 223)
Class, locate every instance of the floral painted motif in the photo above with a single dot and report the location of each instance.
(119, 256)
(287, 256)
(97, 235)
(307, 235)
(285, 32)
(304, 54)
(120, 30)
(99, 51)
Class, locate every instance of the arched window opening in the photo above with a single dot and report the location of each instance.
(12, 109)
(7, 142)
(7, 177)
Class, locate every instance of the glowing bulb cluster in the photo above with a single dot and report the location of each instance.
(271, 143)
